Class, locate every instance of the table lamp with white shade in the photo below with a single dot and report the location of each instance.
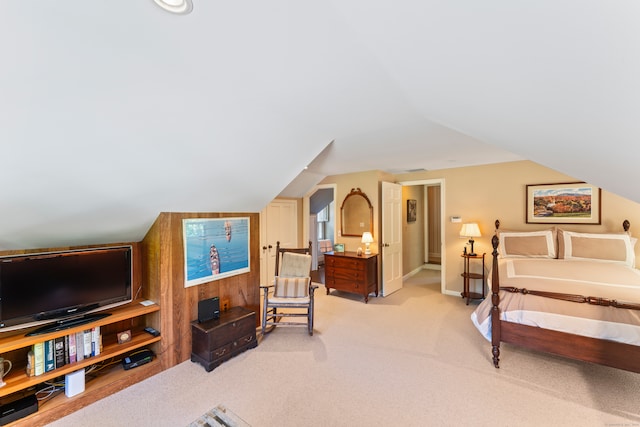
(367, 238)
(470, 230)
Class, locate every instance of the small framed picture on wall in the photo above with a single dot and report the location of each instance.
(412, 207)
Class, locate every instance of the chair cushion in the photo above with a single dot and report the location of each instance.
(291, 287)
(295, 265)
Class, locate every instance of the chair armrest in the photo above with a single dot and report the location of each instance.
(266, 286)
(312, 288)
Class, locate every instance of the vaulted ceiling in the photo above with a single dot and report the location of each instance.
(114, 111)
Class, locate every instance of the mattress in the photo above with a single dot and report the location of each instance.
(614, 281)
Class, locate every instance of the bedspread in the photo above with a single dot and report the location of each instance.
(588, 278)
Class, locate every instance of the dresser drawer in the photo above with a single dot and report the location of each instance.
(347, 263)
(227, 333)
(350, 272)
(344, 285)
(220, 352)
(348, 275)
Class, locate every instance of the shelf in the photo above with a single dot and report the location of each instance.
(467, 276)
(19, 380)
(14, 340)
(106, 381)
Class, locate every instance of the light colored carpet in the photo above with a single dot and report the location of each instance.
(410, 359)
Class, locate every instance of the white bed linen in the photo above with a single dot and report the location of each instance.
(584, 278)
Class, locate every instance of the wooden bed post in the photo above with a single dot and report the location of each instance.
(495, 300)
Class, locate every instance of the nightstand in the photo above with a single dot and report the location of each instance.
(467, 276)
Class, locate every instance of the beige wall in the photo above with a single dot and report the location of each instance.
(485, 193)
(368, 182)
(480, 194)
(413, 244)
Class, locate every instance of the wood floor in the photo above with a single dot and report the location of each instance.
(318, 275)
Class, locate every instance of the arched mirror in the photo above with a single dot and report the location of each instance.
(357, 214)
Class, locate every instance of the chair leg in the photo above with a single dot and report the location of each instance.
(264, 313)
(310, 318)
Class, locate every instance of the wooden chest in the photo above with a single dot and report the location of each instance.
(214, 341)
(348, 272)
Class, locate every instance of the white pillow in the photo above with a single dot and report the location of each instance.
(529, 244)
(607, 247)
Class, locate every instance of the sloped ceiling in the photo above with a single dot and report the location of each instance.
(114, 111)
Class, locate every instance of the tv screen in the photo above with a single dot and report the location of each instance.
(42, 288)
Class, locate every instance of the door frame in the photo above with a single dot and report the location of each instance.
(306, 210)
(443, 253)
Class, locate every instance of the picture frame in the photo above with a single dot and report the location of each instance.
(338, 247)
(124, 336)
(563, 203)
(412, 206)
(215, 248)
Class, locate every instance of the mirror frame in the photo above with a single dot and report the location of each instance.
(355, 192)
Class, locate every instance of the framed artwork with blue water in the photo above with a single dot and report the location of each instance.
(215, 248)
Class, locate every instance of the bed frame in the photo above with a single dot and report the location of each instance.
(602, 352)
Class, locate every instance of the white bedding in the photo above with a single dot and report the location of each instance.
(587, 278)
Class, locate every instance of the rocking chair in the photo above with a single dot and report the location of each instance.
(291, 293)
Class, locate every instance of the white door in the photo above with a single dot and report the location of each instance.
(391, 238)
(278, 222)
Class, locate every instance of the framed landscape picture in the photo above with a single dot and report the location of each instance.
(215, 248)
(563, 203)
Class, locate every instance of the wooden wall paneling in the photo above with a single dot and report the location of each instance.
(179, 304)
(153, 285)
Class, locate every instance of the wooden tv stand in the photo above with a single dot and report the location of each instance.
(14, 345)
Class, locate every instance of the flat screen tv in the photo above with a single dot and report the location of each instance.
(63, 289)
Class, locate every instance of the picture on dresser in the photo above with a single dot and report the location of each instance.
(215, 248)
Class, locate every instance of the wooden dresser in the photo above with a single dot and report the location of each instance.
(217, 340)
(348, 272)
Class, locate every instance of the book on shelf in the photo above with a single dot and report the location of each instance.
(38, 358)
(49, 355)
(72, 347)
(67, 360)
(59, 357)
(87, 343)
(96, 341)
(79, 346)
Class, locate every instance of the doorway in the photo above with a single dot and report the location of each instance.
(432, 205)
(319, 213)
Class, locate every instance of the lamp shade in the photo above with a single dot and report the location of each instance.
(470, 230)
(367, 237)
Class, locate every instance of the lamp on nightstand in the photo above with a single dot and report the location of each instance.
(367, 238)
(470, 230)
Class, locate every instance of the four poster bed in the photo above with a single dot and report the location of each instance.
(571, 294)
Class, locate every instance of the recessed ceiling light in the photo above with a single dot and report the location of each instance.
(176, 6)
